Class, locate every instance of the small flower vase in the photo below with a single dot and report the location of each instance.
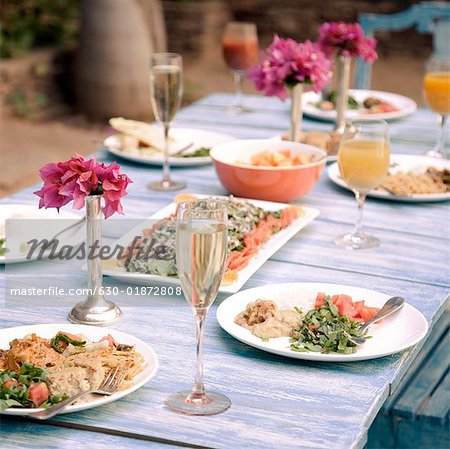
(342, 83)
(95, 310)
(296, 112)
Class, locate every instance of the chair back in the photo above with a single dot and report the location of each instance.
(426, 17)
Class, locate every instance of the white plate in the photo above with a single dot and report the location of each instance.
(93, 333)
(405, 106)
(265, 251)
(394, 334)
(181, 137)
(20, 211)
(405, 163)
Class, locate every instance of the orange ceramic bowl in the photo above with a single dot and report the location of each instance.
(266, 183)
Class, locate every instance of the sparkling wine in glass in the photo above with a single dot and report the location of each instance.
(436, 86)
(166, 91)
(201, 252)
(240, 51)
(363, 160)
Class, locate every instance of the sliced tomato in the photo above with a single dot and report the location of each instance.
(38, 393)
(71, 336)
(320, 299)
(62, 344)
(358, 305)
(368, 313)
(11, 383)
(110, 339)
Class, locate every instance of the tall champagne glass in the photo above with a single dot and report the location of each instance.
(240, 51)
(436, 86)
(201, 251)
(166, 91)
(363, 160)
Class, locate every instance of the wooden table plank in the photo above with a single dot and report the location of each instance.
(24, 434)
(303, 404)
(320, 391)
(438, 407)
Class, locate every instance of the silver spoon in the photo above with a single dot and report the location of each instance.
(391, 306)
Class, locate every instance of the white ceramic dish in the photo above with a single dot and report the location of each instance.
(406, 106)
(40, 227)
(265, 251)
(181, 137)
(394, 334)
(94, 333)
(405, 163)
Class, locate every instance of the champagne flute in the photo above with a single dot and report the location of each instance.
(166, 91)
(201, 251)
(363, 160)
(240, 51)
(436, 85)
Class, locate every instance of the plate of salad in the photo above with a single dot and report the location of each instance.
(319, 321)
(256, 230)
(43, 364)
(362, 104)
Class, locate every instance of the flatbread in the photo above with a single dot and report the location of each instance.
(149, 135)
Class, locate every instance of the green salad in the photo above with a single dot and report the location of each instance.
(328, 101)
(25, 388)
(2, 246)
(324, 330)
(159, 246)
(199, 152)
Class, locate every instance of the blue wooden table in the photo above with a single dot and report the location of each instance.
(276, 402)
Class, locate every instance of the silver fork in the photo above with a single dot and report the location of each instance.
(109, 386)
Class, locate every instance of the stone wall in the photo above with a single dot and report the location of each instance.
(193, 23)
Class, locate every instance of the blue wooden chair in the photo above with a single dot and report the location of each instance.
(426, 17)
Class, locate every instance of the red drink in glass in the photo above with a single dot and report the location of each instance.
(240, 54)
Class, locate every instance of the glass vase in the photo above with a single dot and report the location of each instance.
(342, 83)
(95, 309)
(296, 112)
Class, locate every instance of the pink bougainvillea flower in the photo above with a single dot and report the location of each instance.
(114, 185)
(286, 63)
(346, 39)
(77, 178)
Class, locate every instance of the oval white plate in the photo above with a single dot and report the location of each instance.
(182, 137)
(405, 163)
(396, 333)
(266, 250)
(406, 106)
(22, 211)
(95, 334)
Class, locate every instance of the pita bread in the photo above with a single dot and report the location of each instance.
(150, 135)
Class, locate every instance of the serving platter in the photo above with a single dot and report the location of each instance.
(404, 163)
(40, 229)
(95, 334)
(406, 106)
(180, 138)
(394, 334)
(265, 251)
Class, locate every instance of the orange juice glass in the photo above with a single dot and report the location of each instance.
(363, 160)
(436, 87)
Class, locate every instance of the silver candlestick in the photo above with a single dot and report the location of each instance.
(343, 80)
(96, 309)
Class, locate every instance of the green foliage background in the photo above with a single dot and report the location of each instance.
(26, 24)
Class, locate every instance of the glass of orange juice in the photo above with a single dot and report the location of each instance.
(363, 160)
(436, 86)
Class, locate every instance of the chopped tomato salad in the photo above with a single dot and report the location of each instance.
(355, 310)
